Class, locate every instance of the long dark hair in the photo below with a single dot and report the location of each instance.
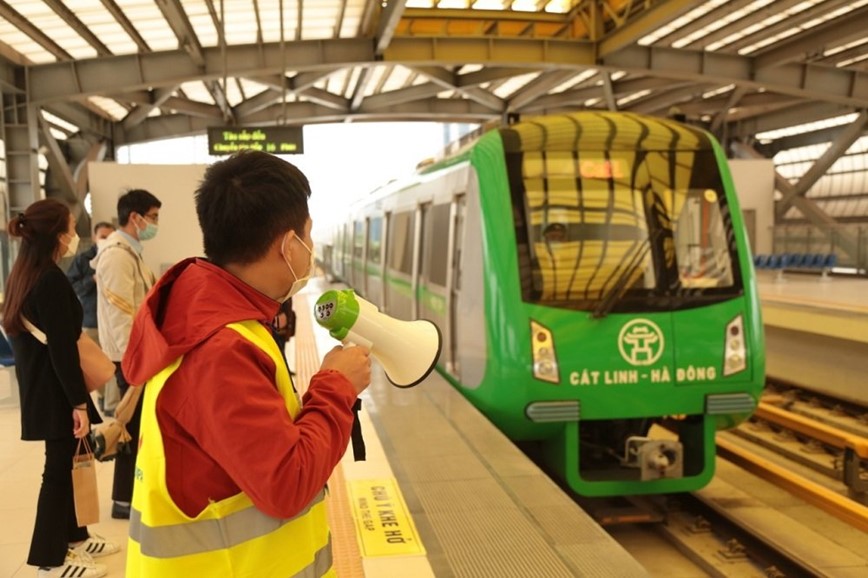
(38, 228)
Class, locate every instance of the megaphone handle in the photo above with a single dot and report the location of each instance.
(354, 339)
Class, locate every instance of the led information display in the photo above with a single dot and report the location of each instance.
(279, 140)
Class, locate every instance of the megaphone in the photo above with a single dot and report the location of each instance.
(407, 350)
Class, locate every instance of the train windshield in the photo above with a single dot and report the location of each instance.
(624, 230)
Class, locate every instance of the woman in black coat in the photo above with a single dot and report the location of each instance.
(55, 404)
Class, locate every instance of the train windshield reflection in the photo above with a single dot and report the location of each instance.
(623, 225)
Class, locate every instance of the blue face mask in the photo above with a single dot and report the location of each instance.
(149, 232)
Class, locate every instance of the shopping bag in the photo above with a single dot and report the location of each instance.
(96, 367)
(84, 487)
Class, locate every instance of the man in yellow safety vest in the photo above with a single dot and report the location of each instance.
(232, 465)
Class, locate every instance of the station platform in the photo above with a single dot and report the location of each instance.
(474, 505)
(442, 493)
(817, 332)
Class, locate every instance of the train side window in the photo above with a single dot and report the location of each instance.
(436, 238)
(359, 239)
(375, 237)
(701, 246)
(400, 250)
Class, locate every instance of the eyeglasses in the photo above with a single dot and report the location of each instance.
(153, 217)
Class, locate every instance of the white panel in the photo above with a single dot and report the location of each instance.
(179, 236)
(754, 181)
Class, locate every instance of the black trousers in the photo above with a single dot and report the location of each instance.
(55, 525)
(125, 464)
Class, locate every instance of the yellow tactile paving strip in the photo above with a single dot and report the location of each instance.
(345, 548)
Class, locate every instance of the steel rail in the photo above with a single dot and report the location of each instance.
(846, 510)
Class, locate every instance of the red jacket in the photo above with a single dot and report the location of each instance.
(225, 426)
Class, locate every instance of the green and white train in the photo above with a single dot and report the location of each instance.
(591, 277)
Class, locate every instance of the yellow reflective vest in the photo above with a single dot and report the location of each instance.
(229, 538)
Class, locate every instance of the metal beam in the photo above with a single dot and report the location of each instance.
(59, 167)
(177, 20)
(95, 153)
(80, 27)
(389, 18)
(822, 136)
(796, 114)
(447, 80)
(609, 92)
(662, 100)
(490, 74)
(578, 96)
(537, 87)
(138, 114)
(650, 19)
(393, 97)
(81, 117)
(451, 110)
(361, 87)
(125, 23)
(117, 74)
(454, 51)
(826, 224)
(734, 98)
(27, 27)
(834, 32)
(849, 87)
(801, 20)
(326, 98)
(838, 147)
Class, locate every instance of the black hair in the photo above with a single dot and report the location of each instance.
(39, 228)
(102, 225)
(135, 201)
(246, 201)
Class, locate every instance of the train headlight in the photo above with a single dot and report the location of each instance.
(735, 356)
(545, 361)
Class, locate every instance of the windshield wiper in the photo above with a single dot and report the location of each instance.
(611, 298)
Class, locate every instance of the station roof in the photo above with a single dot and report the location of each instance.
(147, 69)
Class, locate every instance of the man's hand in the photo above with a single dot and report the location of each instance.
(354, 362)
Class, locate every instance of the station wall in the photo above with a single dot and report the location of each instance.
(754, 181)
(179, 235)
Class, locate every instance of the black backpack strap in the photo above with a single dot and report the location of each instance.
(356, 434)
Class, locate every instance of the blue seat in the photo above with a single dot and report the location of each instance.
(830, 261)
(799, 260)
(774, 262)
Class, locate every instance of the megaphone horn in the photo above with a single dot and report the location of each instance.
(407, 350)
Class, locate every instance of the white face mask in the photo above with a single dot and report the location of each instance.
(299, 282)
(73, 246)
(101, 244)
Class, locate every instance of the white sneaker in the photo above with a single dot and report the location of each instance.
(96, 546)
(74, 569)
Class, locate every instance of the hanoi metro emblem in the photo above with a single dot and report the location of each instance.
(640, 342)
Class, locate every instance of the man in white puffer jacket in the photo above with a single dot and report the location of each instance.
(123, 280)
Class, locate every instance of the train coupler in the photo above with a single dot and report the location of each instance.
(655, 458)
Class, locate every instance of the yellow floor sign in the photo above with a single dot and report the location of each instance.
(383, 523)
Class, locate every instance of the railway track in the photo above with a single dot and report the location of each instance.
(787, 500)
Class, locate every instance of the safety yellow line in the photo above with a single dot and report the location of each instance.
(844, 509)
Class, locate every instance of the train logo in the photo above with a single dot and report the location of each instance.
(640, 342)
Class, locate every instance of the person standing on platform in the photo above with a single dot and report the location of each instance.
(83, 279)
(225, 440)
(123, 279)
(55, 405)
